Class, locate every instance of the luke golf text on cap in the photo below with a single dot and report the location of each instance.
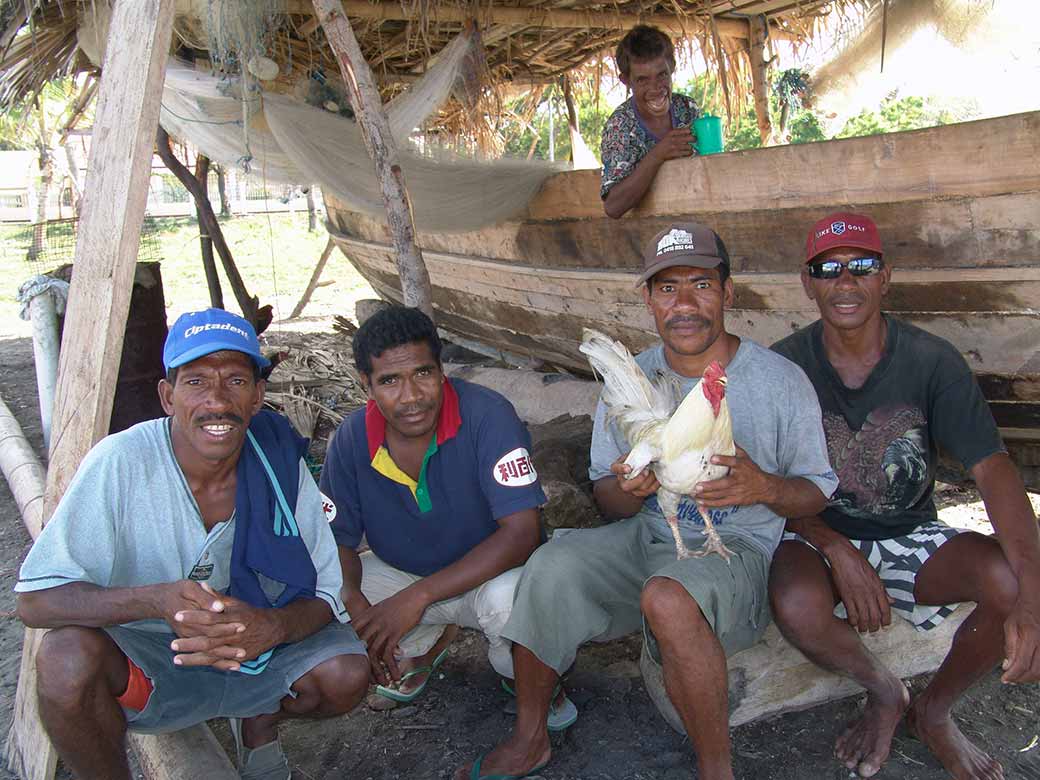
(688, 244)
(845, 229)
(199, 333)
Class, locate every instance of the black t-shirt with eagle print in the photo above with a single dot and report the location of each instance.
(883, 438)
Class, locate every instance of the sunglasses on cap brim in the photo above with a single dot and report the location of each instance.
(858, 266)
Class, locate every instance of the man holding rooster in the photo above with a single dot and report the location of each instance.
(602, 583)
(892, 396)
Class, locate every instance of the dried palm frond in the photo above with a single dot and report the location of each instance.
(302, 410)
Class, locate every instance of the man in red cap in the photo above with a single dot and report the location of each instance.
(892, 395)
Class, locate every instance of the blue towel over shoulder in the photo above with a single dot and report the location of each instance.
(267, 540)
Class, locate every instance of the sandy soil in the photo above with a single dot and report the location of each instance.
(619, 735)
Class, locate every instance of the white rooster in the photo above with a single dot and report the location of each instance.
(675, 439)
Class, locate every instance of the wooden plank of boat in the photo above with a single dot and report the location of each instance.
(988, 313)
(959, 232)
(958, 208)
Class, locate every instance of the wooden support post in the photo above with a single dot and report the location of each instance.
(208, 223)
(313, 283)
(760, 63)
(375, 129)
(209, 265)
(99, 299)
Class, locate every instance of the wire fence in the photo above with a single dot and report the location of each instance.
(45, 246)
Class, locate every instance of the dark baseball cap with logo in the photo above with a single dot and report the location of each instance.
(842, 229)
(684, 243)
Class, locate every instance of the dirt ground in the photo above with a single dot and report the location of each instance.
(619, 735)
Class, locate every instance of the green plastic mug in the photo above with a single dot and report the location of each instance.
(707, 131)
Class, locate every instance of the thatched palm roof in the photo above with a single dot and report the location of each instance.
(526, 43)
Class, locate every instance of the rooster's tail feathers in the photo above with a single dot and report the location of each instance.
(625, 386)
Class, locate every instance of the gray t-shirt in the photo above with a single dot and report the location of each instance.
(129, 519)
(776, 420)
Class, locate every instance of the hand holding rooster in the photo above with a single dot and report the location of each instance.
(745, 484)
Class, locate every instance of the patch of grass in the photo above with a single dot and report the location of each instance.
(275, 254)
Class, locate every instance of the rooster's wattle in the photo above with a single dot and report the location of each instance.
(675, 437)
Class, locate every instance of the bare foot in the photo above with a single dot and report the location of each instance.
(512, 757)
(866, 742)
(955, 751)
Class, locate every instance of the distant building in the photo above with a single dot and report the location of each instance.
(17, 186)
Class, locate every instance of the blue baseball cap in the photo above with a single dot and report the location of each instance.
(200, 333)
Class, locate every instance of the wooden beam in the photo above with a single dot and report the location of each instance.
(190, 752)
(555, 19)
(760, 63)
(99, 299)
(375, 129)
(772, 677)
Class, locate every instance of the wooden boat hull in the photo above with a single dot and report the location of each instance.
(958, 208)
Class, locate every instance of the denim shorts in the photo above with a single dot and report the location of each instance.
(183, 696)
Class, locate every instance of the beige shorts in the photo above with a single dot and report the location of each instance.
(485, 608)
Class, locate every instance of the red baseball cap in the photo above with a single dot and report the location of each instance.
(842, 228)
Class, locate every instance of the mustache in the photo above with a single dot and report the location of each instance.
(210, 418)
(692, 319)
(416, 409)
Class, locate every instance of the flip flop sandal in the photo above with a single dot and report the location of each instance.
(474, 773)
(395, 695)
(561, 717)
(266, 762)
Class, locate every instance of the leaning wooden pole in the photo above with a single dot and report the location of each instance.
(375, 129)
(249, 304)
(315, 276)
(99, 299)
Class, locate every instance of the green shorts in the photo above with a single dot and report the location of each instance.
(585, 585)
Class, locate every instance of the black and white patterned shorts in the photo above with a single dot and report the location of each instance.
(897, 562)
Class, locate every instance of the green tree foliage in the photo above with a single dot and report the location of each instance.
(905, 113)
(592, 117)
(20, 124)
(742, 131)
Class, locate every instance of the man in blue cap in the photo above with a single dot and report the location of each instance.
(189, 573)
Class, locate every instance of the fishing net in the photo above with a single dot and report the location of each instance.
(282, 138)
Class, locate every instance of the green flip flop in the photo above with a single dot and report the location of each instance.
(395, 695)
(474, 773)
(561, 717)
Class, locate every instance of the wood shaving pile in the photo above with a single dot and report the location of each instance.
(316, 387)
